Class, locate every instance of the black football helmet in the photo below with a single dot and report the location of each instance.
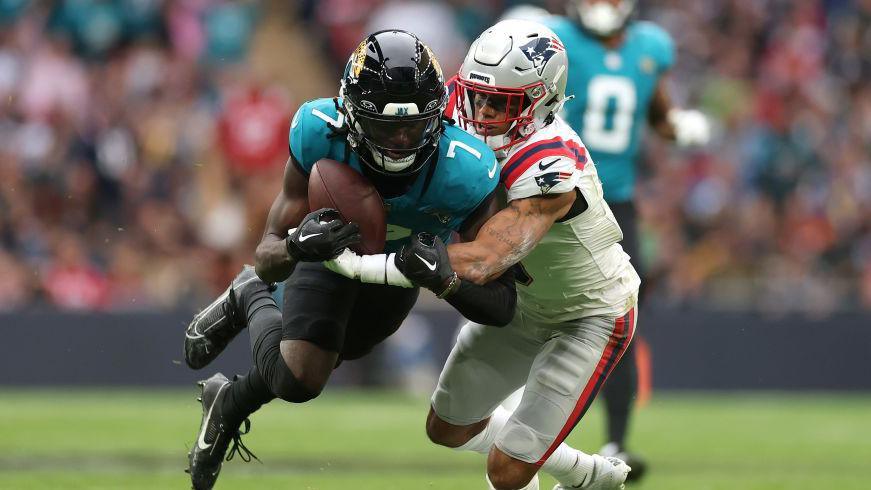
(393, 94)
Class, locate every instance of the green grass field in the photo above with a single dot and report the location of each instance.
(370, 440)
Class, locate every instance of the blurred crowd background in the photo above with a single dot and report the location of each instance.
(142, 142)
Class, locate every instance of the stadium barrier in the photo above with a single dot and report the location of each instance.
(691, 350)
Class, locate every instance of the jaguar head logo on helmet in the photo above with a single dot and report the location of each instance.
(512, 83)
(393, 95)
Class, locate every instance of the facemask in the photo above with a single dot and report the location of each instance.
(392, 164)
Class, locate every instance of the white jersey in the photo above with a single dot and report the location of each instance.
(578, 269)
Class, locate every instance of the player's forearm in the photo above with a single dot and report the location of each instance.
(492, 304)
(657, 114)
(272, 262)
(503, 241)
(475, 263)
(664, 129)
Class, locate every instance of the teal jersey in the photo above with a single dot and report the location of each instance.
(612, 92)
(463, 175)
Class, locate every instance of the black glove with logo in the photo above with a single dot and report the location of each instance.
(425, 262)
(321, 236)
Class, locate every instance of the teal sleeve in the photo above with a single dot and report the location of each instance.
(664, 46)
(559, 25)
(309, 134)
(296, 140)
(488, 181)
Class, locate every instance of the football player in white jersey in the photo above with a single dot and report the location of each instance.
(577, 290)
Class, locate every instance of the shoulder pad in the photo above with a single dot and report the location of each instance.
(469, 164)
(658, 42)
(550, 175)
(539, 151)
(310, 129)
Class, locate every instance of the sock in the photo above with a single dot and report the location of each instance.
(619, 395)
(485, 439)
(568, 465)
(245, 396)
(250, 392)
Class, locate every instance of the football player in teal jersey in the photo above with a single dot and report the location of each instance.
(435, 179)
(617, 75)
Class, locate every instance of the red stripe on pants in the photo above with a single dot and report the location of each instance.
(624, 329)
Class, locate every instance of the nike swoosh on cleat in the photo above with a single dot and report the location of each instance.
(213, 324)
(215, 303)
(201, 441)
(430, 266)
(303, 238)
(545, 167)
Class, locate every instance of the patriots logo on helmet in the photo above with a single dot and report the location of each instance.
(547, 181)
(540, 50)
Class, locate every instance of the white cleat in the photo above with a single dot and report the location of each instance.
(608, 474)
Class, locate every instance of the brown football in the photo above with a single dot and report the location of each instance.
(336, 185)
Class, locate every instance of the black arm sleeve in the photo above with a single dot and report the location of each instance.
(491, 304)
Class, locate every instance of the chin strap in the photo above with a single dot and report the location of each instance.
(371, 269)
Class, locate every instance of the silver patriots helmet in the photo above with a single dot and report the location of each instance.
(523, 61)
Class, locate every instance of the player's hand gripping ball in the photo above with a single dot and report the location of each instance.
(321, 235)
(425, 262)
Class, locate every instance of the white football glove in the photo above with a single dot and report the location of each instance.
(372, 269)
(691, 127)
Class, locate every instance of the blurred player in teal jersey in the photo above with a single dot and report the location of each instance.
(617, 74)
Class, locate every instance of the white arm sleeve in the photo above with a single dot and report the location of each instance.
(371, 269)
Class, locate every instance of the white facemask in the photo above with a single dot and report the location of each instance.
(602, 18)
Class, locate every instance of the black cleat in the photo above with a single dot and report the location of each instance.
(216, 434)
(638, 465)
(636, 462)
(213, 328)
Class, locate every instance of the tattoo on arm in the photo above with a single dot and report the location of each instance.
(508, 237)
(486, 210)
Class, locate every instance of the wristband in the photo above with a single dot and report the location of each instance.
(381, 269)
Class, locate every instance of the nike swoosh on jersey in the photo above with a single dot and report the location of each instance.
(492, 171)
(303, 238)
(430, 266)
(545, 167)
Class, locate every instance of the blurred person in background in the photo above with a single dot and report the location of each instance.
(107, 124)
(434, 21)
(618, 72)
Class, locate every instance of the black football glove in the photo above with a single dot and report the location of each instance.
(425, 262)
(321, 236)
